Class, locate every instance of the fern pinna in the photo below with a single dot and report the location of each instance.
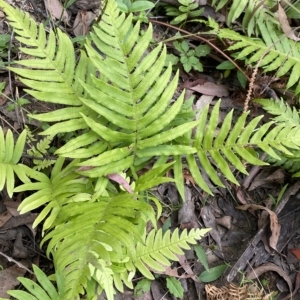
(117, 97)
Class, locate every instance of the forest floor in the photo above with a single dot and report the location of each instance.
(238, 257)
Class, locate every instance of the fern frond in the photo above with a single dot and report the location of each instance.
(39, 151)
(44, 290)
(53, 62)
(253, 10)
(105, 227)
(10, 155)
(159, 249)
(290, 163)
(231, 145)
(282, 110)
(54, 192)
(133, 95)
(274, 52)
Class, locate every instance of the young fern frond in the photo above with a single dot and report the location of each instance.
(10, 155)
(39, 151)
(45, 290)
(232, 145)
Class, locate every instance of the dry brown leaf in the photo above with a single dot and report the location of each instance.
(285, 26)
(4, 217)
(265, 178)
(186, 266)
(211, 89)
(57, 10)
(255, 273)
(8, 279)
(224, 221)
(82, 22)
(274, 225)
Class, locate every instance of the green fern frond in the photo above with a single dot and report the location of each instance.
(231, 145)
(133, 95)
(106, 227)
(274, 52)
(55, 56)
(290, 163)
(282, 111)
(44, 290)
(158, 249)
(10, 155)
(253, 10)
(54, 192)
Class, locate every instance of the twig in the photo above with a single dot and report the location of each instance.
(16, 262)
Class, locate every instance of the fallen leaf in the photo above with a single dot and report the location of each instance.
(57, 10)
(274, 225)
(121, 181)
(211, 89)
(255, 273)
(295, 252)
(285, 26)
(82, 22)
(4, 217)
(265, 178)
(8, 279)
(224, 221)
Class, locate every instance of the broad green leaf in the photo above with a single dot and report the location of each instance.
(201, 256)
(212, 274)
(175, 287)
(140, 6)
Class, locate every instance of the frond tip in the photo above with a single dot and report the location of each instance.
(159, 249)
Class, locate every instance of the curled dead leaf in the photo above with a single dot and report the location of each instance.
(285, 26)
(255, 273)
(274, 225)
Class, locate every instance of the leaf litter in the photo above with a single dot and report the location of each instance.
(232, 230)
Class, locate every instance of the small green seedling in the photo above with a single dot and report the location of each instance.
(210, 274)
(277, 200)
(189, 58)
(143, 286)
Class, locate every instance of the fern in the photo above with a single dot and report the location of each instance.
(232, 145)
(63, 186)
(254, 12)
(10, 155)
(274, 52)
(39, 151)
(60, 74)
(118, 99)
(45, 290)
(132, 123)
(283, 112)
(159, 249)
